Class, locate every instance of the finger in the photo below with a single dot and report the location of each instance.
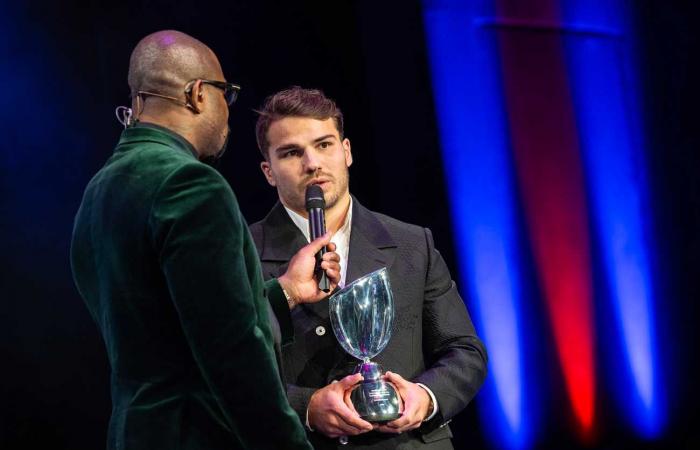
(395, 378)
(331, 247)
(339, 427)
(400, 430)
(330, 265)
(410, 426)
(331, 256)
(350, 380)
(386, 429)
(332, 269)
(353, 423)
(333, 278)
(348, 401)
(399, 423)
(332, 272)
(334, 275)
(314, 246)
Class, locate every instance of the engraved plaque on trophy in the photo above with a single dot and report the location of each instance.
(362, 315)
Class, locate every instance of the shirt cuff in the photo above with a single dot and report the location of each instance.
(432, 398)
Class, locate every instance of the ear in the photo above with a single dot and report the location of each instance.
(196, 99)
(267, 171)
(348, 152)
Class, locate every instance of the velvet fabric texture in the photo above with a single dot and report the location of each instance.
(164, 262)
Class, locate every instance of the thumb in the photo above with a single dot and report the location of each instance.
(394, 378)
(315, 246)
(350, 380)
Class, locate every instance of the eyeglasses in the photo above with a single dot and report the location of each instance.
(230, 93)
(230, 90)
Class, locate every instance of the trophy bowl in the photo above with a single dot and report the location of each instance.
(362, 316)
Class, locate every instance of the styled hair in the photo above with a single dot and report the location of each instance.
(294, 102)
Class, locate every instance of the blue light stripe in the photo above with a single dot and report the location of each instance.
(605, 96)
(473, 132)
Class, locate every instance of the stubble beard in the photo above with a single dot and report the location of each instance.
(298, 201)
(218, 137)
(341, 190)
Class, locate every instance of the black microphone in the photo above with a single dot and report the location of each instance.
(315, 206)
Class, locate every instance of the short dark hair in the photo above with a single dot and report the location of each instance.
(295, 102)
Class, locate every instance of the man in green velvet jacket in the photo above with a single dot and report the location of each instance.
(164, 261)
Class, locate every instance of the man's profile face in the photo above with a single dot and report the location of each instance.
(214, 116)
(304, 151)
(220, 119)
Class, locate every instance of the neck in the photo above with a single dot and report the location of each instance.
(175, 123)
(335, 216)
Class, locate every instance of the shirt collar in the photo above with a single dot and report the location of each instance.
(303, 224)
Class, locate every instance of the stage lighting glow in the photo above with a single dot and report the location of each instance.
(473, 132)
(562, 73)
(605, 88)
(544, 140)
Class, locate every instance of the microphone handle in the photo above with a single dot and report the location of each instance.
(317, 228)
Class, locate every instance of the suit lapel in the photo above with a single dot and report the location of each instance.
(371, 246)
(281, 240)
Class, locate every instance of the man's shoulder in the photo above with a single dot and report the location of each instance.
(395, 227)
(256, 228)
(156, 156)
(275, 219)
(156, 162)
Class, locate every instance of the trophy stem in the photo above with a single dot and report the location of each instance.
(374, 399)
(370, 371)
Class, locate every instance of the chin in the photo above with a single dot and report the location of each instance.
(331, 199)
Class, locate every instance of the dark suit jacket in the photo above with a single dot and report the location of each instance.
(164, 261)
(433, 343)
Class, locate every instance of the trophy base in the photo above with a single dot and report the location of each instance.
(374, 399)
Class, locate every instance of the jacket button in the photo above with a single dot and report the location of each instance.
(320, 330)
(343, 440)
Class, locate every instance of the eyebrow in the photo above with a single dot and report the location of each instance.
(292, 146)
(323, 138)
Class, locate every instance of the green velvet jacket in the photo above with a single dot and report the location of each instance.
(164, 261)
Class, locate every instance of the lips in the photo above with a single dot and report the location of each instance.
(319, 181)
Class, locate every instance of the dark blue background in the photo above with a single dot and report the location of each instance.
(64, 67)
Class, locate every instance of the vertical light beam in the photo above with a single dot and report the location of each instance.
(473, 133)
(545, 143)
(604, 87)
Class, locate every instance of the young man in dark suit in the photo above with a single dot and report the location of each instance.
(434, 357)
(164, 261)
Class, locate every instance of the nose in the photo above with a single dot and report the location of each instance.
(312, 162)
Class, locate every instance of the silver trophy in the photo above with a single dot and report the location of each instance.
(362, 315)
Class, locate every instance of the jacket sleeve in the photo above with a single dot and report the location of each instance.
(280, 307)
(214, 280)
(455, 356)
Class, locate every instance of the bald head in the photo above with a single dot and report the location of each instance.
(161, 66)
(165, 61)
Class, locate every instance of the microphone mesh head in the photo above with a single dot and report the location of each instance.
(314, 197)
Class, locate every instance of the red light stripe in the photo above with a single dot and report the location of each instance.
(545, 144)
